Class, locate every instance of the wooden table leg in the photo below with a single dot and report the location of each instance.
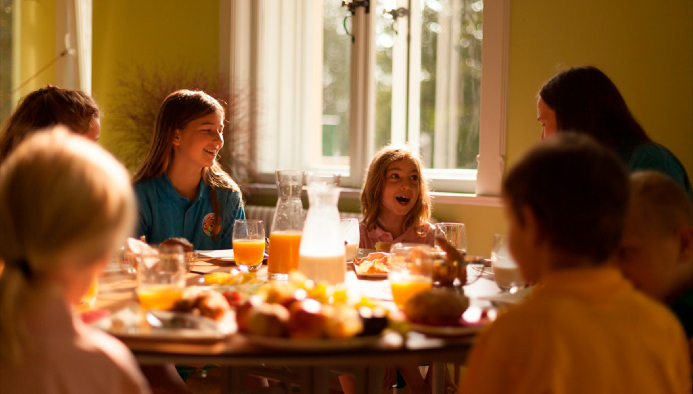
(314, 380)
(438, 378)
(232, 380)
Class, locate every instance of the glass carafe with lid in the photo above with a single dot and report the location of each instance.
(287, 225)
(321, 256)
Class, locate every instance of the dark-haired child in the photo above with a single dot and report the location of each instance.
(657, 246)
(586, 329)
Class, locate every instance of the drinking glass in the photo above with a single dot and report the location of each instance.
(410, 271)
(506, 273)
(287, 225)
(160, 279)
(350, 230)
(248, 243)
(455, 234)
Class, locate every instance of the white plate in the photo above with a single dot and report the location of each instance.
(507, 298)
(449, 331)
(220, 254)
(132, 324)
(313, 344)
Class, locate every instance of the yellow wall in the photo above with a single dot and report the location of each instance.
(645, 46)
(36, 44)
(154, 34)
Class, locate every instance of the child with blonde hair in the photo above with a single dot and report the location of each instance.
(656, 251)
(181, 189)
(65, 206)
(395, 203)
(585, 329)
(396, 208)
(48, 107)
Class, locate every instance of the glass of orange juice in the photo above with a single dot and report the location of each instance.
(410, 271)
(248, 244)
(160, 279)
(283, 253)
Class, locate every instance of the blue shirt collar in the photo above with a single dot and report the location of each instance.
(170, 192)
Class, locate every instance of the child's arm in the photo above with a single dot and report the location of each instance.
(233, 209)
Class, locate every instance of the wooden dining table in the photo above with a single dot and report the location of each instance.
(309, 368)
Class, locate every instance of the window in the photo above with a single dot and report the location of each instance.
(334, 86)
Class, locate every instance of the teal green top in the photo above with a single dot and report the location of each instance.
(163, 214)
(653, 156)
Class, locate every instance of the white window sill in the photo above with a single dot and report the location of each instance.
(468, 199)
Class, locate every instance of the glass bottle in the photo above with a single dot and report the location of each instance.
(321, 256)
(287, 225)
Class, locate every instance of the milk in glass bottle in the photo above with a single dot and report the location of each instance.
(321, 255)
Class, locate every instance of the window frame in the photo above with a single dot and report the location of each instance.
(241, 33)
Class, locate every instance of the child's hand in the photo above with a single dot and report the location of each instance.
(451, 253)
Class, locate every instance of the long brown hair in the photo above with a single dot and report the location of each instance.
(587, 101)
(44, 108)
(374, 183)
(178, 109)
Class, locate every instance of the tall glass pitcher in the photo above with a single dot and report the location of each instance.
(287, 225)
(321, 256)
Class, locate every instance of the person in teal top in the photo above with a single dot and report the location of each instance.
(181, 189)
(583, 99)
(163, 213)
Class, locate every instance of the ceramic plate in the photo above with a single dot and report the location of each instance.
(221, 254)
(313, 344)
(133, 323)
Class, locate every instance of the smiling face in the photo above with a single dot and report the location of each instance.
(401, 188)
(547, 117)
(200, 141)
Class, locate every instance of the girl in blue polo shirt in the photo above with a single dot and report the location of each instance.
(181, 189)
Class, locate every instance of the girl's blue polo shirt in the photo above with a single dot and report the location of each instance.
(163, 213)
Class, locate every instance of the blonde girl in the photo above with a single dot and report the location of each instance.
(181, 189)
(48, 107)
(395, 203)
(65, 206)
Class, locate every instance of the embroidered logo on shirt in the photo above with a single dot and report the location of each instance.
(208, 224)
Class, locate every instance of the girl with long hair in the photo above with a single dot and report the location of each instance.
(395, 203)
(181, 189)
(584, 100)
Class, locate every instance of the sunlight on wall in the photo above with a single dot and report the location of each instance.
(37, 44)
(149, 34)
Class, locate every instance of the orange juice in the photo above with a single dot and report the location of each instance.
(283, 252)
(405, 288)
(159, 296)
(89, 297)
(248, 251)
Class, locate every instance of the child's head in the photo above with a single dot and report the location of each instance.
(585, 100)
(47, 107)
(189, 127)
(656, 251)
(65, 206)
(567, 195)
(395, 182)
